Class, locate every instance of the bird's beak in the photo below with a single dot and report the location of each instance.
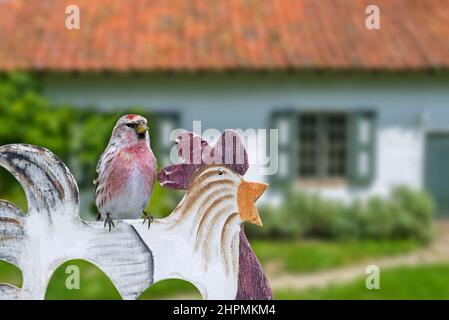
(142, 128)
(247, 194)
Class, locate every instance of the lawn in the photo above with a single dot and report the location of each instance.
(311, 256)
(423, 282)
(305, 256)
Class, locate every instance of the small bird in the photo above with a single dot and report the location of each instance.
(126, 172)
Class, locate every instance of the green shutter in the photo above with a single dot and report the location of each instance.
(287, 124)
(362, 148)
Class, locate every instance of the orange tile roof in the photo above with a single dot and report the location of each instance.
(223, 35)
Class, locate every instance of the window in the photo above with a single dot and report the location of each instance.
(326, 148)
(323, 145)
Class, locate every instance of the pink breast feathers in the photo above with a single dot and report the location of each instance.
(131, 163)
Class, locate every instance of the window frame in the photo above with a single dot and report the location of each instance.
(322, 176)
(354, 148)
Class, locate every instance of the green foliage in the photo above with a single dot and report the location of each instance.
(405, 214)
(414, 214)
(421, 283)
(163, 201)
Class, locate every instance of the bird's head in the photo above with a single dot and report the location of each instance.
(131, 127)
(222, 186)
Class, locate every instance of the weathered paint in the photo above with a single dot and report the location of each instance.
(195, 152)
(199, 242)
(52, 232)
(253, 284)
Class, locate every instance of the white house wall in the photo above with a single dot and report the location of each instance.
(407, 107)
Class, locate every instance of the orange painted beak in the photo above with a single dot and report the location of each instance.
(247, 194)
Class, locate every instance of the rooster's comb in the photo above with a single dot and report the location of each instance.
(196, 152)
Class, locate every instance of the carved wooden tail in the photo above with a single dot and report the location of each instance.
(49, 188)
(48, 184)
(11, 231)
(11, 240)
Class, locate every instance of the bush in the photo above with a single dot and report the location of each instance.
(405, 214)
(415, 214)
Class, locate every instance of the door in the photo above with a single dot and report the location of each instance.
(437, 171)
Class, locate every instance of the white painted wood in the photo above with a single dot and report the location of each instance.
(52, 233)
(198, 242)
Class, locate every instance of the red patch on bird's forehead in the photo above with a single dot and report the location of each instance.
(131, 116)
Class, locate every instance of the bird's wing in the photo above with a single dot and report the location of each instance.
(103, 163)
(96, 181)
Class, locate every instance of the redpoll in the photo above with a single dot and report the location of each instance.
(126, 172)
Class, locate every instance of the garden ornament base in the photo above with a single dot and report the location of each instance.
(202, 241)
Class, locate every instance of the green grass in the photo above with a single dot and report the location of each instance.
(294, 257)
(95, 285)
(10, 274)
(311, 256)
(423, 282)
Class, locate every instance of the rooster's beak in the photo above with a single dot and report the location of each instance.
(247, 194)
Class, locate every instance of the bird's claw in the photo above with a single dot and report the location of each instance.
(149, 218)
(109, 222)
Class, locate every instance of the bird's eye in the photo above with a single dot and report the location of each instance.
(220, 172)
(131, 125)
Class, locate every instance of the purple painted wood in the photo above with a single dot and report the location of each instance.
(194, 151)
(177, 176)
(252, 282)
(190, 147)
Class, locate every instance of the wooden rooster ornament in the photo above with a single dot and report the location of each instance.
(216, 204)
(202, 241)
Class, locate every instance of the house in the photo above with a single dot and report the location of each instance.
(359, 111)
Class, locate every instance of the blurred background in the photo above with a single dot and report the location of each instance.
(362, 114)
